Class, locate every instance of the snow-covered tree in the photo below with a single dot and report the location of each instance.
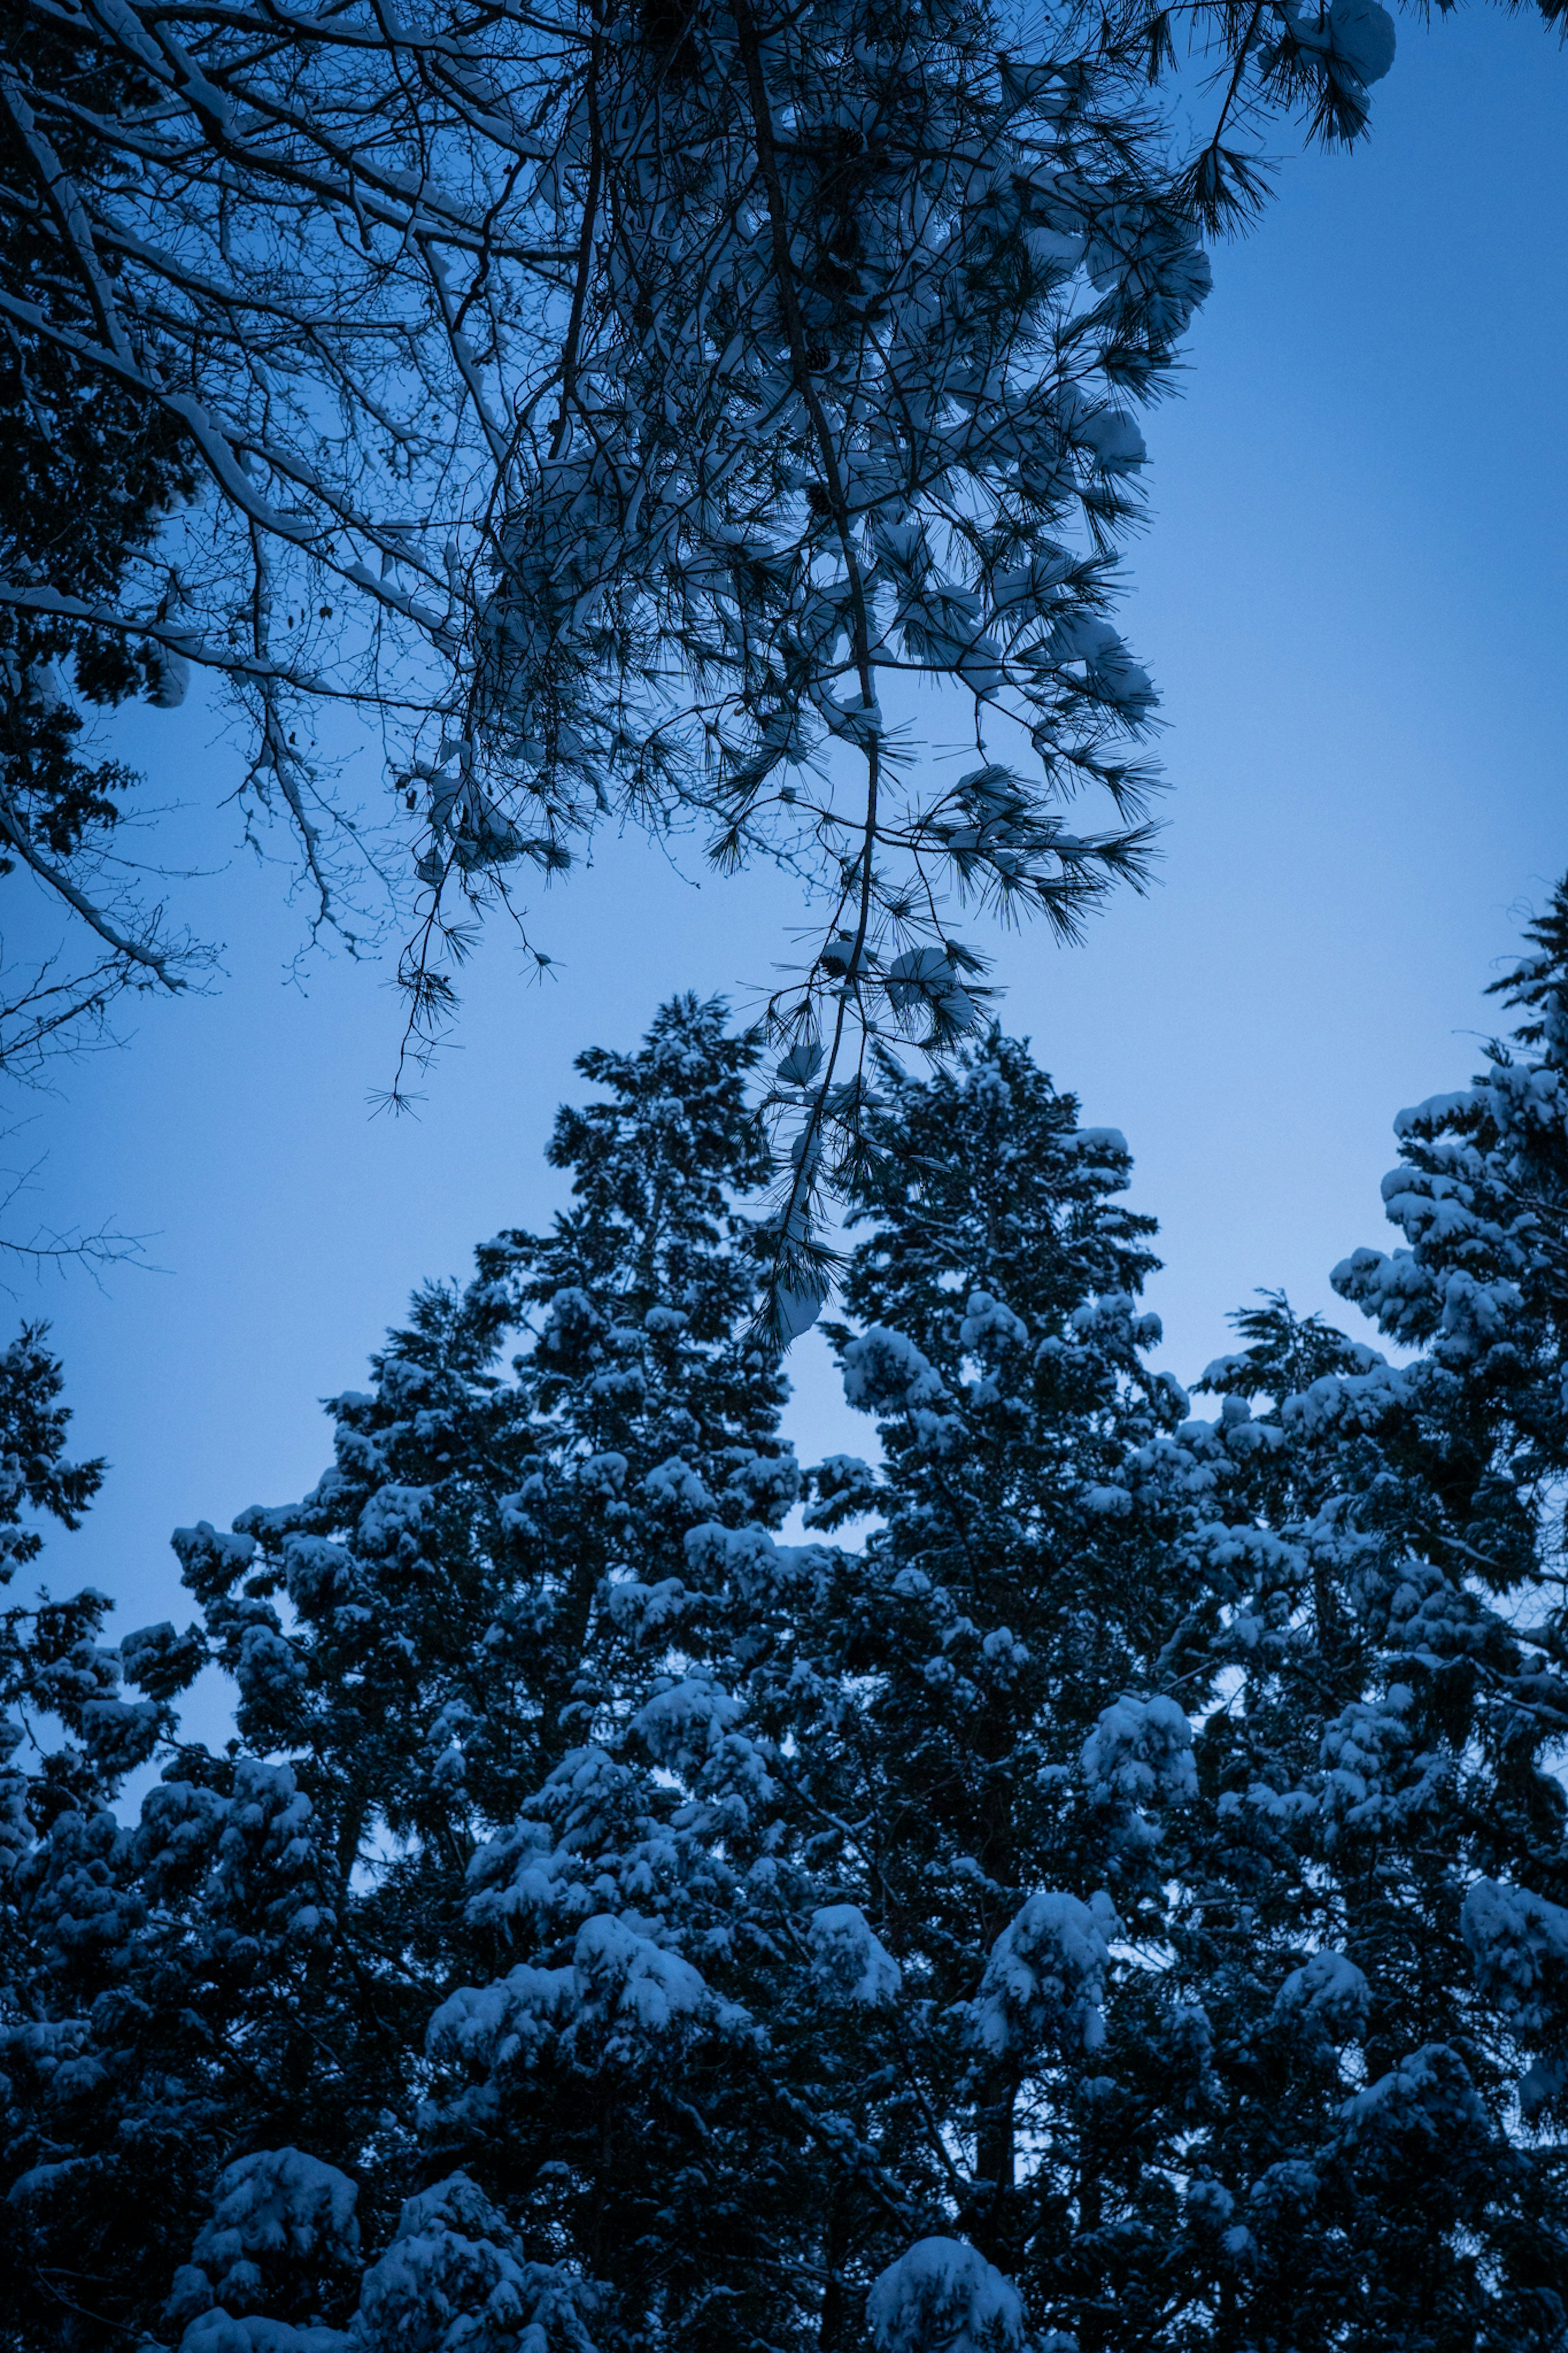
(676, 1928)
(252, 1967)
(1101, 1887)
(1017, 1640)
(1384, 1916)
(51, 1664)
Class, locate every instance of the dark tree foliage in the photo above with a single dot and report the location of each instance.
(90, 469)
(1385, 1779)
(49, 1661)
(414, 1647)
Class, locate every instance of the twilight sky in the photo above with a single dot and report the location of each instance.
(1353, 600)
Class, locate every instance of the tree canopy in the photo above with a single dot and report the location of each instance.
(618, 415)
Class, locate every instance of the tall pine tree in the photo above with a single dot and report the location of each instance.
(1383, 1914)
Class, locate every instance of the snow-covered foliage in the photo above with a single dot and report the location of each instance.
(1141, 1750)
(274, 2211)
(1046, 1975)
(1385, 1774)
(851, 1961)
(1120, 1903)
(944, 2297)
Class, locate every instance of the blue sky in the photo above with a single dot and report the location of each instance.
(1353, 600)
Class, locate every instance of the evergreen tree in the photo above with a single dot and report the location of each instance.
(559, 1863)
(1102, 1890)
(251, 1967)
(50, 1664)
(1012, 1633)
(1382, 1918)
(920, 1785)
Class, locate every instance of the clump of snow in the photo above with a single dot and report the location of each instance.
(685, 1723)
(488, 2027)
(391, 1519)
(1427, 2102)
(1330, 1991)
(219, 2332)
(1100, 1144)
(1046, 1974)
(1140, 1752)
(926, 976)
(676, 1485)
(275, 2205)
(1357, 39)
(278, 2201)
(848, 1958)
(883, 1372)
(454, 2280)
(941, 2297)
(987, 1319)
(1364, 38)
(665, 1321)
(627, 1975)
(1517, 1942)
(795, 1311)
(316, 1573)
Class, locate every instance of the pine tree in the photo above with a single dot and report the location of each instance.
(618, 406)
(526, 1686)
(1383, 1921)
(1014, 1629)
(51, 1663)
(411, 1654)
